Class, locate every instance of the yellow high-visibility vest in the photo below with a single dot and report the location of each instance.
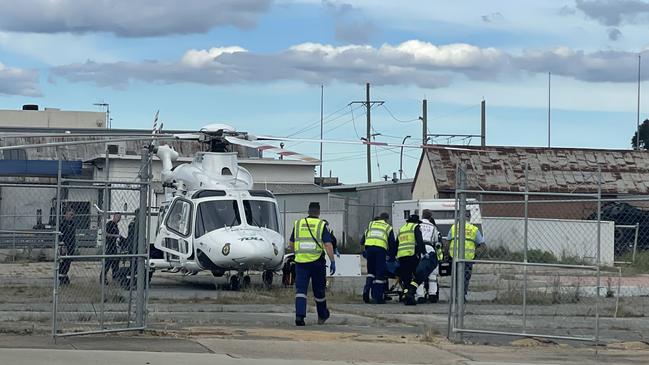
(377, 234)
(470, 236)
(307, 233)
(407, 240)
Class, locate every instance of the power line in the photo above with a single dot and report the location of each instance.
(354, 124)
(326, 121)
(397, 119)
(316, 123)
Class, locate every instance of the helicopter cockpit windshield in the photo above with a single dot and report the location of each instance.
(261, 213)
(214, 214)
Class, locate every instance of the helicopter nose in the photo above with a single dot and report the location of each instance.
(255, 251)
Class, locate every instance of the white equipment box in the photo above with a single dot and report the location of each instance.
(346, 265)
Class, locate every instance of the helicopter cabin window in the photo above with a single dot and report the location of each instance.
(261, 213)
(214, 214)
(179, 217)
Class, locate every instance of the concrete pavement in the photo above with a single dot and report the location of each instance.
(308, 346)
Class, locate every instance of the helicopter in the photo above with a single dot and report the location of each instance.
(212, 218)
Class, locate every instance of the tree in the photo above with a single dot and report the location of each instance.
(644, 136)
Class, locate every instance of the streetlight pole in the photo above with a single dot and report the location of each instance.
(401, 157)
(637, 133)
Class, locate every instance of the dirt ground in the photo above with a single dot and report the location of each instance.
(200, 306)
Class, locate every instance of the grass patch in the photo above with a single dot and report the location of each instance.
(640, 266)
(534, 255)
(552, 294)
(430, 335)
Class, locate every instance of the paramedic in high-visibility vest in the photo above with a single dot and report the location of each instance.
(472, 240)
(379, 243)
(411, 248)
(310, 241)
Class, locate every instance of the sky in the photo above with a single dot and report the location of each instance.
(259, 66)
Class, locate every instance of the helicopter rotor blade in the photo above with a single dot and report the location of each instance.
(148, 137)
(76, 135)
(365, 143)
(270, 148)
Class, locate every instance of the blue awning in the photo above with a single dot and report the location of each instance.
(39, 168)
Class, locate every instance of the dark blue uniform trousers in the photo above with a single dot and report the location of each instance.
(376, 268)
(316, 272)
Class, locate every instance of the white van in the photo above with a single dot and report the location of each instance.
(443, 212)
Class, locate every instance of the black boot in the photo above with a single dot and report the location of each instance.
(299, 321)
(409, 295)
(366, 298)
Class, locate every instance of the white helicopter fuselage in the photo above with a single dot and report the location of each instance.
(214, 220)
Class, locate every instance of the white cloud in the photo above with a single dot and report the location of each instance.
(128, 18)
(15, 81)
(410, 63)
(202, 57)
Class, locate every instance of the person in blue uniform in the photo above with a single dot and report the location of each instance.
(379, 242)
(311, 241)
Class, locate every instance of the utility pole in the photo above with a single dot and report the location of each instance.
(637, 134)
(549, 104)
(321, 127)
(483, 123)
(424, 121)
(369, 132)
(368, 139)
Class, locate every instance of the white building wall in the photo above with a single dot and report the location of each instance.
(424, 185)
(18, 206)
(277, 173)
(52, 119)
(563, 238)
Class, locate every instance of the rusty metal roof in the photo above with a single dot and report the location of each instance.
(550, 169)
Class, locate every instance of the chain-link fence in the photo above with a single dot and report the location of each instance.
(543, 263)
(27, 241)
(72, 251)
(101, 286)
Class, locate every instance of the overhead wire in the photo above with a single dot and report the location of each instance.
(317, 122)
(325, 120)
(397, 119)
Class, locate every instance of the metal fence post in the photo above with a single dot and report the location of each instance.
(452, 302)
(459, 251)
(150, 196)
(141, 241)
(635, 243)
(284, 217)
(525, 248)
(104, 239)
(599, 262)
(55, 291)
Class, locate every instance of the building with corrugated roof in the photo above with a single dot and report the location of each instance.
(551, 170)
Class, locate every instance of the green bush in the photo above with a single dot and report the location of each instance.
(502, 253)
(640, 266)
(351, 247)
(540, 256)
